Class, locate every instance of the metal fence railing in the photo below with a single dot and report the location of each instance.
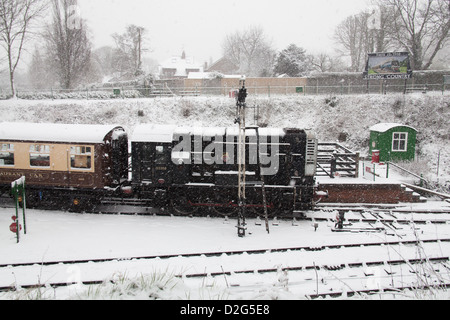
(262, 91)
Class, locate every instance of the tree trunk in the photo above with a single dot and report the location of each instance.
(13, 89)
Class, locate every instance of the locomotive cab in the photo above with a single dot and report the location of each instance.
(151, 149)
(151, 163)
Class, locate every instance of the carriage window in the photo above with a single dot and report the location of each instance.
(81, 157)
(6, 154)
(39, 155)
(399, 141)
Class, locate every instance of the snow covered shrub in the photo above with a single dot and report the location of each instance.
(186, 108)
(110, 114)
(331, 102)
(153, 286)
(343, 136)
(397, 108)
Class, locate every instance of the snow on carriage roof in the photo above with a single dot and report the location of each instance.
(165, 133)
(51, 132)
(383, 127)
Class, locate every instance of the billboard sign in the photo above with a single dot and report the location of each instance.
(390, 65)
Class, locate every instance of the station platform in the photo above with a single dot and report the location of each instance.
(367, 192)
(368, 188)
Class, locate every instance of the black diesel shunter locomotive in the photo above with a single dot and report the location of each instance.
(193, 169)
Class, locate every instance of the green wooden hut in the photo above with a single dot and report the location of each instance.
(394, 141)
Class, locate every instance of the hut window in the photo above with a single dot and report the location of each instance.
(400, 141)
(39, 155)
(6, 154)
(81, 157)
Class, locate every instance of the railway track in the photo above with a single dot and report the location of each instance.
(440, 280)
(245, 279)
(230, 253)
(386, 216)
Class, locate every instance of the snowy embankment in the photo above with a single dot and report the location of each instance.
(347, 117)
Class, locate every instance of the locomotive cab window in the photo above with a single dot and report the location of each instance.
(160, 155)
(81, 157)
(40, 156)
(6, 154)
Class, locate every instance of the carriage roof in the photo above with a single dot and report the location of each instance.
(51, 132)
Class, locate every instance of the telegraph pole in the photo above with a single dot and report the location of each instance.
(240, 119)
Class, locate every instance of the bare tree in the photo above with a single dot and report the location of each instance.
(250, 50)
(324, 62)
(67, 43)
(352, 36)
(321, 62)
(381, 27)
(359, 34)
(16, 21)
(422, 27)
(130, 47)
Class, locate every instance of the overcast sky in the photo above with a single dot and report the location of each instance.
(199, 26)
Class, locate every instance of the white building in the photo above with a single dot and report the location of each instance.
(179, 67)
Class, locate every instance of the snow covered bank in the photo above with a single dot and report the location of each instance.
(345, 117)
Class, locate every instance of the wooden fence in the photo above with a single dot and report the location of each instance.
(336, 160)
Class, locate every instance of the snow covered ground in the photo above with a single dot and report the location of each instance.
(61, 236)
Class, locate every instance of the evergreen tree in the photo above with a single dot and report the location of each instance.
(293, 62)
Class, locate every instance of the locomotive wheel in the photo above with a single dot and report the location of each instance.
(181, 206)
(259, 211)
(226, 211)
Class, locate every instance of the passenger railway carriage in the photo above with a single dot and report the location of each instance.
(68, 165)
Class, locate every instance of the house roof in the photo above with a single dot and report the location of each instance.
(223, 65)
(383, 127)
(181, 65)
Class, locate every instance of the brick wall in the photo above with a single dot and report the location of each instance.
(367, 193)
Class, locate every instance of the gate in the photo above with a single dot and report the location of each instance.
(334, 159)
